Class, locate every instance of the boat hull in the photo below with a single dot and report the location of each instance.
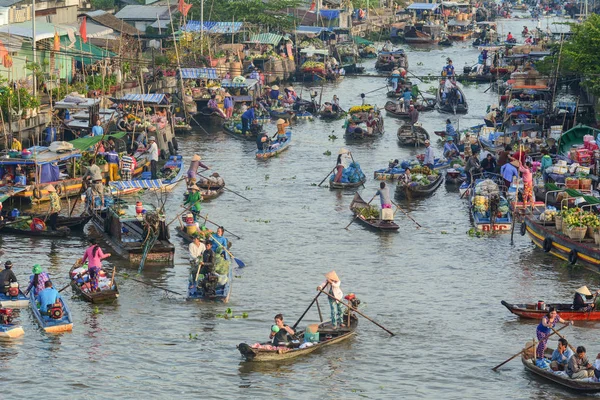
(11, 331)
(416, 192)
(580, 385)
(20, 301)
(65, 324)
(531, 311)
(266, 154)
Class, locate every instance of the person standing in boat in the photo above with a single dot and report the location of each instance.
(54, 206)
(16, 145)
(193, 169)
(37, 280)
(94, 256)
(449, 69)
(220, 242)
(280, 331)
(339, 169)
(332, 280)
(472, 167)
(228, 106)
(7, 276)
(544, 329)
(527, 175)
(509, 172)
(335, 104)
(450, 131)
(384, 196)
(247, 118)
(429, 160)
(394, 79)
(194, 201)
(407, 97)
(546, 163)
(561, 356)
(153, 153)
(490, 118)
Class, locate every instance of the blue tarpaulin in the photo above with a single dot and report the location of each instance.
(316, 30)
(330, 14)
(157, 98)
(137, 184)
(199, 73)
(49, 173)
(422, 6)
(213, 27)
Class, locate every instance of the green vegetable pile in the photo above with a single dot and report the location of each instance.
(368, 212)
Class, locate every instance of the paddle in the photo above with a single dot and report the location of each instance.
(358, 214)
(310, 305)
(319, 309)
(327, 176)
(358, 312)
(229, 190)
(146, 283)
(405, 213)
(215, 224)
(533, 345)
(239, 262)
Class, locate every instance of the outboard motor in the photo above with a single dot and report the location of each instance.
(6, 316)
(56, 311)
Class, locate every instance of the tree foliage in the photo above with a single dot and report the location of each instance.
(582, 52)
(270, 14)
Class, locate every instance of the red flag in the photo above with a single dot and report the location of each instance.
(83, 30)
(312, 6)
(183, 8)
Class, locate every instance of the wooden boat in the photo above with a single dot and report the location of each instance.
(391, 109)
(182, 128)
(104, 295)
(534, 311)
(422, 33)
(580, 385)
(454, 177)
(415, 191)
(273, 151)
(487, 222)
(281, 113)
(361, 132)
(173, 170)
(549, 239)
(230, 129)
(222, 292)
(48, 324)
(385, 174)
(73, 223)
(375, 223)
(59, 233)
(346, 185)
(574, 136)
(384, 62)
(399, 90)
(331, 115)
(406, 137)
(14, 302)
(11, 331)
(127, 233)
(456, 104)
(327, 337)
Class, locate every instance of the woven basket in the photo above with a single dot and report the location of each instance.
(577, 233)
(559, 223)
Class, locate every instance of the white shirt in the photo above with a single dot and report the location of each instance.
(196, 251)
(448, 85)
(153, 152)
(429, 158)
(337, 291)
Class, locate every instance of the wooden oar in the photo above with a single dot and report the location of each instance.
(405, 213)
(239, 262)
(358, 312)
(179, 215)
(309, 306)
(519, 353)
(215, 224)
(327, 176)
(69, 284)
(319, 309)
(562, 337)
(229, 190)
(358, 214)
(146, 283)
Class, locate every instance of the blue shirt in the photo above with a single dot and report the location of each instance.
(407, 96)
(450, 130)
(249, 114)
(541, 327)
(449, 69)
(112, 157)
(97, 130)
(219, 241)
(228, 102)
(508, 171)
(450, 147)
(47, 297)
(274, 94)
(562, 358)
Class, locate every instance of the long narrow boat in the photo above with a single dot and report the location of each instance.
(391, 108)
(406, 137)
(222, 291)
(413, 190)
(549, 239)
(173, 170)
(458, 103)
(73, 223)
(574, 136)
(330, 115)
(48, 233)
(273, 151)
(11, 331)
(358, 205)
(105, 294)
(232, 130)
(346, 185)
(327, 337)
(48, 324)
(534, 311)
(19, 301)
(559, 377)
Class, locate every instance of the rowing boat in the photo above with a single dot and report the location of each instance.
(62, 232)
(48, 324)
(73, 223)
(358, 205)
(223, 286)
(454, 102)
(327, 336)
(536, 311)
(406, 136)
(275, 148)
(414, 190)
(233, 130)
(559, 377)
(106, 293)
(392, 108)
(11, 331)
(19, 301)
(346, 185)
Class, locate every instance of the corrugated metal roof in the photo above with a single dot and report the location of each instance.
(109, 20)
(145, 13)
(213, 27)
(43, 30)
(422, 6)
(316, 30)
(8, 3)
(156, 98)
(199, 73)
(266, 38)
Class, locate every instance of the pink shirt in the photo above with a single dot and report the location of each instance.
(527, 176)
(93, 262)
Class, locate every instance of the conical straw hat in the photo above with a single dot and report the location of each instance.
(584, 291)
(332, 276)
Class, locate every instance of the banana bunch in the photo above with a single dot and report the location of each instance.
(357, 109)
(312, 64)
(480, 204)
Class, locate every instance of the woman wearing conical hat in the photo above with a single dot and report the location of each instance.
(579, 301)
(332, 286)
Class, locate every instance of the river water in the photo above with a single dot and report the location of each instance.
(437, 288)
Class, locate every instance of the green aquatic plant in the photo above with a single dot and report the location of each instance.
(327, 153)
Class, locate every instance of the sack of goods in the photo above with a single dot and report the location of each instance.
(387, 214)
(487, 188)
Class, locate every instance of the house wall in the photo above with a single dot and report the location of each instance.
(63, 64)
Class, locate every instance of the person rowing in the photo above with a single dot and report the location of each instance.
(94, 256)
(220, 243)
(544, 329)
(579, 300)
(7, 276)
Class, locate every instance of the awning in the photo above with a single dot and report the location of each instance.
(248, 83)
(80, 103)
(85, 143)
(523, 127)
(89, 52)
(161, 24)
(137, 184)
(311, 51)
(7, 192)
(455, 22)
(213, 27)
(265, 38)
(315, 30)
(43, 30)
(93, 30)
(422, 6)
(156, 98)
(330, 14)
(12, 44)
(199, 73)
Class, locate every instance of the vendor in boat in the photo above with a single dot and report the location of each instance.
(193, 169)
(280, 332)
(509, 172)
(94, 256)
(153, 156)
(228, 106)
(579, 301)
(546, 163)
(97, 129)
(450, 148)
(208, 259)
(467, 149)
(449, 69)
(54, 206)
(281, 132)
(579, 366)
(561, 356)
(372, 122)
(37, 280)
(47, 297)
(528, 198)
(263, 142)
(490, 118)
(247, 118)
(384, 195)
(332, 286)
(413, 113)
(339, 169)
(450, 131)
(407, 97)
(220, 243)
(429, 160)
(488, 164)
(214, 106)
(544, 329)
(392, 164)
(127, 166)
(196, 248)
(503, 157)
(194, 201)
(510, 37)
(274, 96)
(472, 167)
(7, 276)
(449, 86)
(335, 104)
(394, 79)
(16, 145)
